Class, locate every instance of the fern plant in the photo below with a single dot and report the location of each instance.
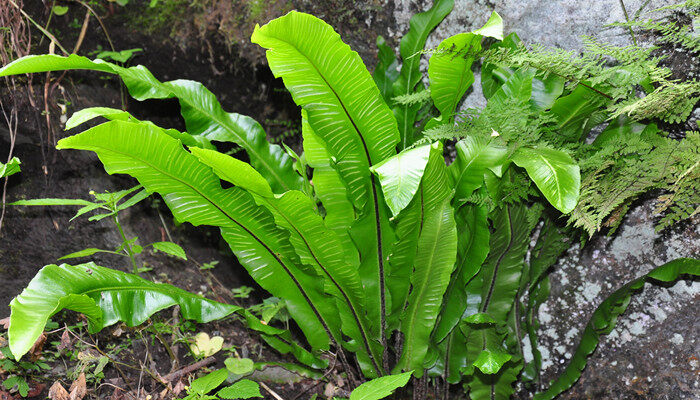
(394, 259)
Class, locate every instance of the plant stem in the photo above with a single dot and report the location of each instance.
(627, 18)
(44, 31)
(127, 246)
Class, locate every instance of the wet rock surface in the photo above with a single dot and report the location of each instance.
(653, 350)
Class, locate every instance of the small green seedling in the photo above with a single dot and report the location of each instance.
(242, 292)
(209, 265)
(18, 371)
(201, 388)
(109, 205)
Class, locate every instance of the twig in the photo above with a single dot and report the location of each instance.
(627, 18)
(83, 31)
(188, 369)
(114, 362)
(348, 369)
(173, 338)
(48, 22)
(165, 227)
(99, 20)
(12, 126)
(272, 393)
(138, 388)
(172, 356)
(318, 381)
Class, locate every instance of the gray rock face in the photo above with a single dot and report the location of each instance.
(653, 350)
(556, 23)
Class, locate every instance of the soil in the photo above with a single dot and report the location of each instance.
(36, 236)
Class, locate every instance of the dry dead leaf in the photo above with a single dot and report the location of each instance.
(178, 388)
(118, 331)
(330, 390)
(36, 389)
(66, 341)
(118, 394)
(35, 351)
(5, 323)
(58, 392)
(78, 389)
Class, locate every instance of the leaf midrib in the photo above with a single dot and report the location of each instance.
(346, 297)
(497, 265)
(380, 256)
(556, 179)
(421, 293)
(242, 142)
(272, 253)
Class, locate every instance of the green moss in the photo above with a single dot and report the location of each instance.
(168, 15)
(256, 8)
(183, 20)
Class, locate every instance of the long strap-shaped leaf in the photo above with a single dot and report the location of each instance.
(410, 48)
(346, 110)
(105, 296)
(473, 246)
(449, 69)
(552, 242)
(202, 112)
(504, 265)
(605, 316)
(473, 242)
(342, 101)
(112, 114)
(328, 186)
(435, 257)
(194, 195)
(554, 172)
(451, 358)
(386, 71)
(401, 258)
(315, 244)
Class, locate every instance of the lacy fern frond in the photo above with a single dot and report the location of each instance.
(410, 99)
(632, 66)
(616, 73)
(617, 172)
(442, 132)
(670, 101)
(481, 198)
(669, 32)
(691, 6)
(683, 200)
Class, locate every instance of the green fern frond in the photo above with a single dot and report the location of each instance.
(669, 32)
(671, 102)
(442, 132)
(683, 199)
(692, 6)
(422, 97)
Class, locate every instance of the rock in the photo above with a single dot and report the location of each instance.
(650, 352)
